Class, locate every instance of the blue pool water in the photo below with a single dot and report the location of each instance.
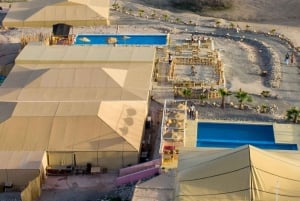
(121, 39)
(230, 135)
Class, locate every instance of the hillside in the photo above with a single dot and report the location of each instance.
(281, 12)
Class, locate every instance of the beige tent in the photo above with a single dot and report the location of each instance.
(48, 12)
(79, 103)
(244, 173)
(157, 188)
(19, 167)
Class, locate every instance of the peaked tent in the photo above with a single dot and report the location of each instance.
(244, 173)
(158, 188)
(82, 103)
(37, 13)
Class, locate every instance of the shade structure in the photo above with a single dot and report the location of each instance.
(21, 166)
(157, 188)
(83, 103)
(38, 13)
(244, 173)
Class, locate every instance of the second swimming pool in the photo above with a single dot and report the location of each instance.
(231, 135)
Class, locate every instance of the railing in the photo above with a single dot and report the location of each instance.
(137, 176)
(139, 167)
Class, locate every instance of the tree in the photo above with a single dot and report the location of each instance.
(165, 16)
(232, 25)
(153, 14)
(141, 11)
(202, 96)
(273, 31)
(130, 11)
(218, 23)
(186, 92)
(243, 96)
(115, 6)
(293, 114)
(248, 27)
(224, 92)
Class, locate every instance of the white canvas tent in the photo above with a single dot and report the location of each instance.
(79, 103)
(48, 12)
(244, 173)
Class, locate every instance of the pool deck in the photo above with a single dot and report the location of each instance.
(287, 133)
(190, 133)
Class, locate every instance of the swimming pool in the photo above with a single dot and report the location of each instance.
(231, 135)
(121, 39)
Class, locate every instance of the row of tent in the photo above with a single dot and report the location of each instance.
(43, 13)
(245, 173)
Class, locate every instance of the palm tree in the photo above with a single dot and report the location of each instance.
(243, 96)
(224, 92)
(141, 11)
(130, 11)
(165, 16)
(231, 25)
(273, 31)
(247, 27)
(186, 92)
(153, 14)
(202, 96)
(115, 6)
(293, 114)
(218, 23)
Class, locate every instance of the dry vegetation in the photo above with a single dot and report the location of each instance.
(200, 5)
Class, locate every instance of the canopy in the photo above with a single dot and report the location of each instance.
(76, 98)
(38, 13)
(158, 188)
(244, 173)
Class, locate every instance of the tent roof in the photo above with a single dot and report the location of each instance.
(35, 53)
(157, 188)
(74, 126)
(63, 105)
(21, 159)
(49, 12)
(80, 73)
(244, 173)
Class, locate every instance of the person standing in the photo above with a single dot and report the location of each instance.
(192, 114)
(287, 56)
(170, 58)
(292, 58)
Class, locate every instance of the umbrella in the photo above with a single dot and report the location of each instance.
(85, 39)
(112, 40)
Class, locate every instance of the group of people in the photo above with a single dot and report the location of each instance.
(192, 112)
(289, 58)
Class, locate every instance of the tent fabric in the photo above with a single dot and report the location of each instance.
(21, 166)
(21, 159)
(157, 188)
(58, 103)
(49, 12)
(244, 173)
(32, 190)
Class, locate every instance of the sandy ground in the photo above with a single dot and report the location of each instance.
(243, 59)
